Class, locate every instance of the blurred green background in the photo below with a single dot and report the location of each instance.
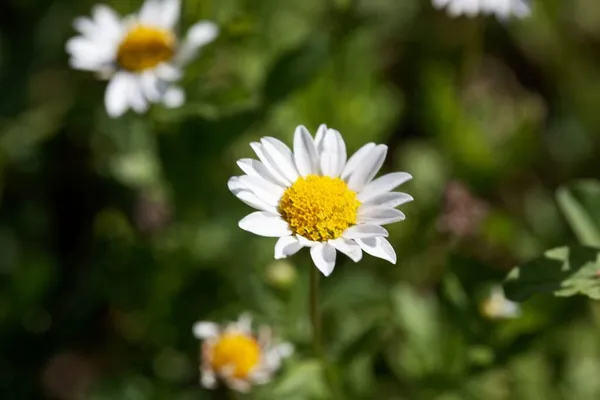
(117, 235)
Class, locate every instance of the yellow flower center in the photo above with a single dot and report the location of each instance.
(237, 351)
(145, 47)
(319, 208)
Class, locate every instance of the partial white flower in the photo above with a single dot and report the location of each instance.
(141, 54)
(497, 306)
(235, 355)
(503, 9)
(315, 197)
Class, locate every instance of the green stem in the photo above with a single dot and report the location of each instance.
(315, 317)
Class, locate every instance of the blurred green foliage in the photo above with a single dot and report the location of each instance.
(117, 235)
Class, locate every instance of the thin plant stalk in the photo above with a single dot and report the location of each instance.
(315, 317)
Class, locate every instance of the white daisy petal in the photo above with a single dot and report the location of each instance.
(391, 199)
(369, 167)
(200, 34)
(378, 247)
(348, 247)
(150, 13)
(208, 378)
(333, 156)
(169, 15)
(320, 136)
(107, 20)
(253, 201)
(168, 72)
(235, 186)
(380, 216)
(137, 100)
(116, 96)
(287, 246)
(256, 168)
(149, 85)
(173, 97)
(239, 385)
(205, 329)
(382, 185)
(244, 323)
(356, 159)
(282, 156)
(305, 152)
(269, 164)
(323, 255)
(265, 224)
(263, 189)
(364, 231)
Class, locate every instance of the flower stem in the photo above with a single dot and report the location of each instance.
(315, 317)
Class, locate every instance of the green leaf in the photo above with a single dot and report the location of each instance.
(564, 272)
(580, 202)
(295, 69)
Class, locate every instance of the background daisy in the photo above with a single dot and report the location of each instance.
(141, 54)
(501, 8)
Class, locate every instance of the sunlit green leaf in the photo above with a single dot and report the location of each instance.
(580, 202)
(564, 271)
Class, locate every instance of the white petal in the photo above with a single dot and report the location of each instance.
(173, 97)
(208, 378)
(391, 199)
(149, 85)
(205, 329)
(333, 155)
(364, 231)
(378, 247)
(382, 185)
(244, 323)
(116, 96)
(282, 156)
(108, 21)
(239, 385)
(269, 164)
(323, 255)
(265, 224)
(263, 189)
(305, 152)
(200, 34)
(256, 168)
(150, 13)
(287, 246)
(253, 201)
(320, 136)
(168, 72)
(356, 160)
(235, 186)
(368, 168)
(170, 13)
(137, 100)
(380, 216)
(348, 247)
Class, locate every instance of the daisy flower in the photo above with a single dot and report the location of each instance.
(140, 54)
(236, 356)
(497, 306)
(314, 197)
(501, 8)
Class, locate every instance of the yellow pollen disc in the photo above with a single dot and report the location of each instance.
(237, 351)
(145, 47)
(319, 208)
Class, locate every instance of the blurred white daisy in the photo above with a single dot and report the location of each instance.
(237, 357)
(140, 54)
(314, 197)
(501, 8)
(497, 306)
